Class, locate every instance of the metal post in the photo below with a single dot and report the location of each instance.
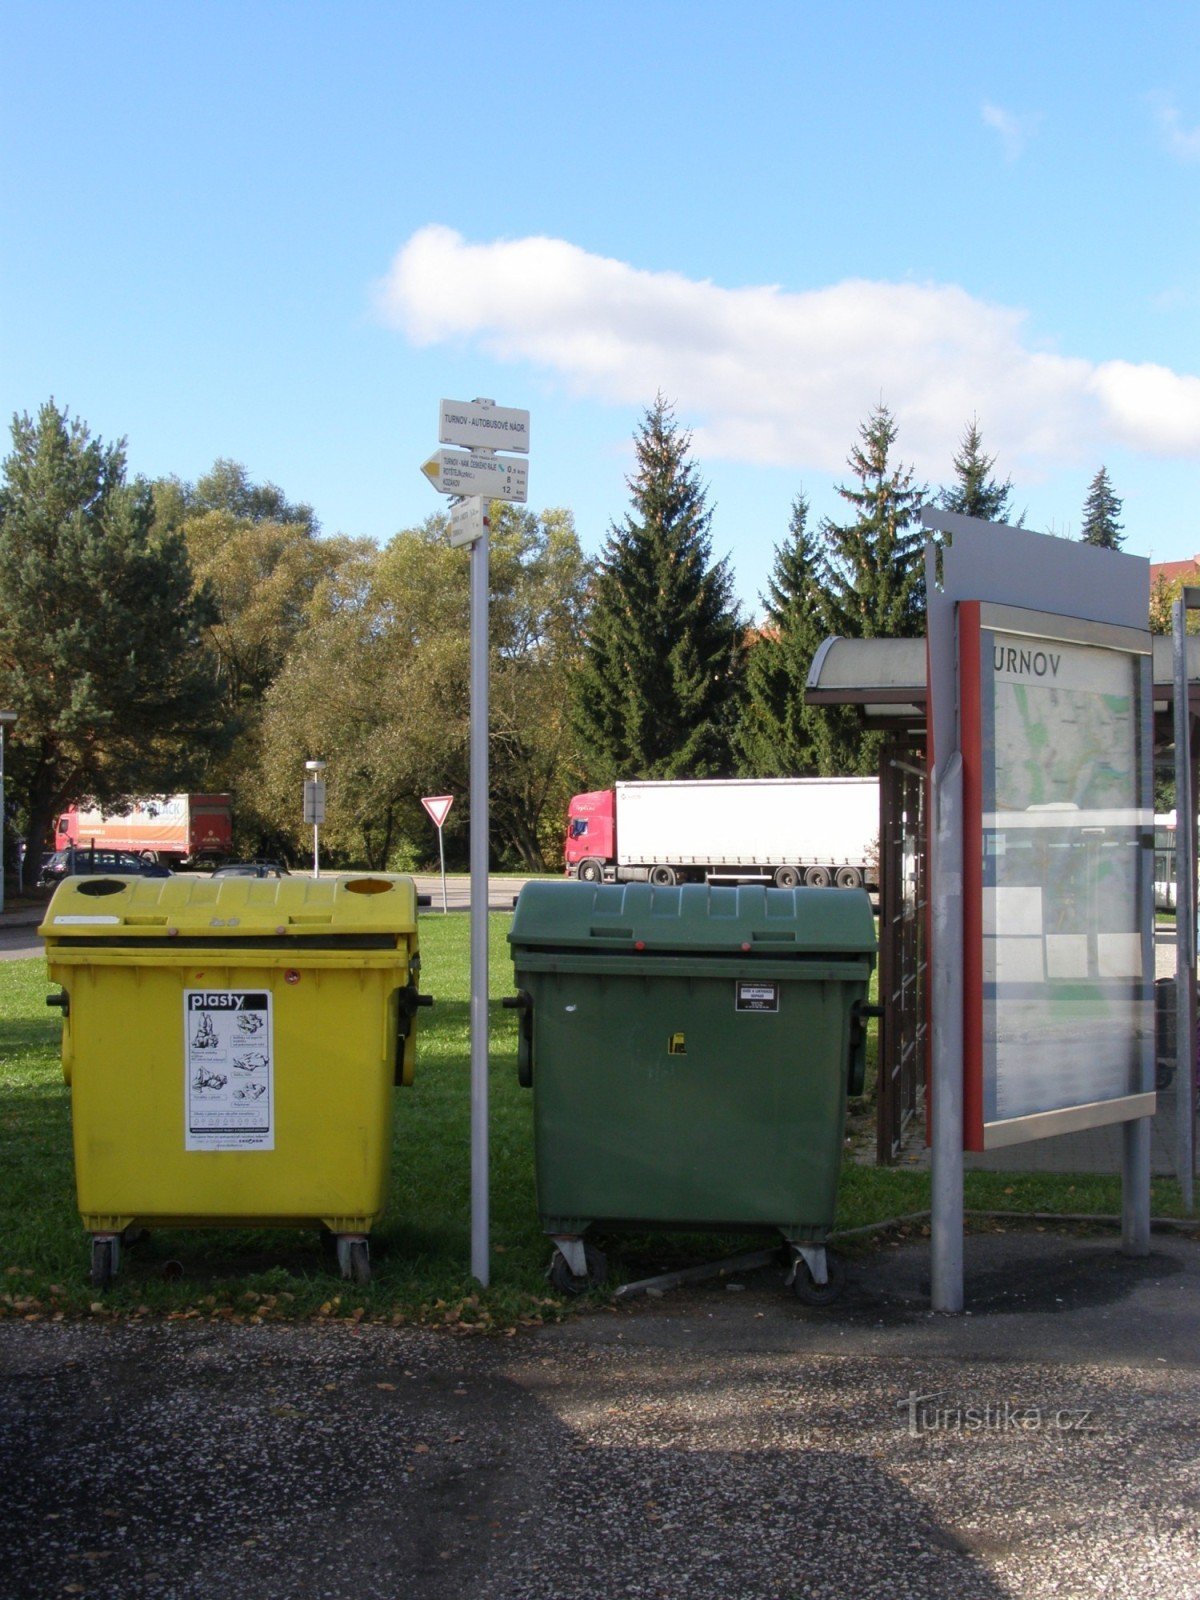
(1185, 907)
(314, 806)
(442, 864)
(946, 1214)
(4, 717)
(479, 910)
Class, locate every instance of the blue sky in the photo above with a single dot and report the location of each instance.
(282, 232)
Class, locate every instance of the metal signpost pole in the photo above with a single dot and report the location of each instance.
(1185, 907)
(479, 475)
(442, 865)
(480, 1224)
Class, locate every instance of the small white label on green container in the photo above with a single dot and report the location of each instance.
(229, 1085)
(756, 996)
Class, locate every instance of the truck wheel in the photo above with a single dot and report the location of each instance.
(590, 871)
(663, 877)
(848, 878)
(787, 877)
(817, 877)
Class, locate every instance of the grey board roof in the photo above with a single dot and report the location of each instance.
(886, 677)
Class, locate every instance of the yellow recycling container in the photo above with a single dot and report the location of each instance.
(231, 1046)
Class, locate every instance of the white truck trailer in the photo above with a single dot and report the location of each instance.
(786, 831)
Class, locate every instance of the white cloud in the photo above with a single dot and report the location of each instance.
(785, 378)
(1183, 143)
(1015, 129)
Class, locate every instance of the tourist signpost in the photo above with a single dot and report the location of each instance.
(480, 475)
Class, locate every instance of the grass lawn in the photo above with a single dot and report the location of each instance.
(421, 1248)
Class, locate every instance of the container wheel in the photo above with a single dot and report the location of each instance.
(567, 1282)
(590, 871)
(360, 1262)
(663, 877)
(104, 1262)
(787, 877)
(848, 878)
(817, 877)
(812, 1293)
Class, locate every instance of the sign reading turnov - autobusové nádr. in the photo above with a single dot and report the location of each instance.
(483, 427)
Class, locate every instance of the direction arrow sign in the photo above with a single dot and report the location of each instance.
(461, 472)
(481, 425)
(468, 521)
(438, 806)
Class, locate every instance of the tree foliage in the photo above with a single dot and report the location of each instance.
(876, 584)
(657, 692)
(975, 493)
(778, 734)
(1163, 595)
(1101, 514)
(381, 690)
(101, 630)
(228, 487)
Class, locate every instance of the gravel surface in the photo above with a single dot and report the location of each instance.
(719, 1441)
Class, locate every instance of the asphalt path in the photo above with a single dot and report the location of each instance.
(722, 1442)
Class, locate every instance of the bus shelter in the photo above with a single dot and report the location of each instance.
(885, 683)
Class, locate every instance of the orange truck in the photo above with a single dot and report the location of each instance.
(174, 829)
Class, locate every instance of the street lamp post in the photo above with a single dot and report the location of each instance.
(314, 806)
(7, 718)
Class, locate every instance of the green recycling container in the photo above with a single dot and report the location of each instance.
(690, 1050)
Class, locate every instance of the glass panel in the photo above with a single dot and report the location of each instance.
(1066, 1012)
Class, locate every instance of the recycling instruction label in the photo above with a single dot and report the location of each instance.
(229, 1091)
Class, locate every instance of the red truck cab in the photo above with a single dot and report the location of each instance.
(591, 842)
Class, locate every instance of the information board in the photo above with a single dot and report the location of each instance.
(1057, 874)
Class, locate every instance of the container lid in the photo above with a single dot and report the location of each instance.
(230, 908)
(693, 918)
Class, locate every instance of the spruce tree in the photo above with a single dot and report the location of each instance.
(975, 493)
(779, 735)
(656, 693)
(1101, 510)
(876, 581)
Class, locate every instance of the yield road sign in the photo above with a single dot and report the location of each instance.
(480, 425)
(493, 477)
(438, 806)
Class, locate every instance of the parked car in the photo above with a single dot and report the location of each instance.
(250, 869)
(71, 862)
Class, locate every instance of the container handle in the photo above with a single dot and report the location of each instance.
(522, 1001)
(409, 1002)
(856, 1074)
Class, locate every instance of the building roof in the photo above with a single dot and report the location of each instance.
(1172, 571)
